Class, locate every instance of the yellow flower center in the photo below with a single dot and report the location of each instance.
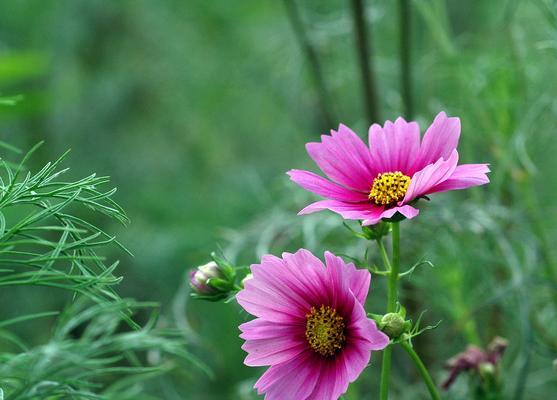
(389, 188)
(325, 330)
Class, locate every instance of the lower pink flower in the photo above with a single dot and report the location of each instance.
(311, 326)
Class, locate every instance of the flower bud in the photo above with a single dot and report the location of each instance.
(555, 363)
(486, 369)
(199, 278)
(213, 281)
(393, 325)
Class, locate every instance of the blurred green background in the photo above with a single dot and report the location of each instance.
(197, 108)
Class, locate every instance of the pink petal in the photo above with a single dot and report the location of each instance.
(309, 274)
(362, 332)
(406, 210)
(340, 297)
(432, 175)
(439, 141)
(294, 379)
(271, 295)
(372, 221)
(262, 329)
(278, 282)
(355, 360)
(264, 305)
(358, 279)
(332, 383)
(323, 187)
(377, 340)
(272, 351)
(347, 210)
(363, 337)
(463, 177)
(395, 146)
(344, 158)
(356, 356)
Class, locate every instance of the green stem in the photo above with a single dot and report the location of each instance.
(391, 305)
(385, 373)
(422, 369)
(395, 266)
(384, 255)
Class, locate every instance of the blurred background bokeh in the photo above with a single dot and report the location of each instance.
(196, 109)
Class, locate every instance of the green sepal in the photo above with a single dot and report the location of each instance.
(377, 231)
(210, 297)
(225, 266)
(220, 284)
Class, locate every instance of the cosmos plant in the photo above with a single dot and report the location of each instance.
(311, 327)
(388, 177)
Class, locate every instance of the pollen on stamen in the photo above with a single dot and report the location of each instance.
(389, 188)
(325, 331)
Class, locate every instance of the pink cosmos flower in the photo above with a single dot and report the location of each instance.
(311, 326)
(375, 182)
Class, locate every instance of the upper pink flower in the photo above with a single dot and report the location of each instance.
(311, 326)
(375, 182)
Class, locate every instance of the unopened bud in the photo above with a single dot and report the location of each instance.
(210, 270)
(393, 324)
(213, 281)
(199, 278)
(487, 369)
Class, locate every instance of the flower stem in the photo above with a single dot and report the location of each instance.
(385, 373)
(395, 266)
(391, 305)
(384, 255)
(422, 369)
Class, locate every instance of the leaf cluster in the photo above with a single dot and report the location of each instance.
(96, 350)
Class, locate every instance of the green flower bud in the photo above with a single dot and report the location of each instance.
(213, 281)
(487, 369)
(393, 325)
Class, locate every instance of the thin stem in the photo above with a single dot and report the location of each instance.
(404, 54)
(384, 255)
(312, 59)
(385, 373)
(395, 266)
(391, 307)
(422, 369)
(364, 55)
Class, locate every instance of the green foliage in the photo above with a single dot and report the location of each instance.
(90, 357)
(197, 108)
(96, 350)
(49, 245)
